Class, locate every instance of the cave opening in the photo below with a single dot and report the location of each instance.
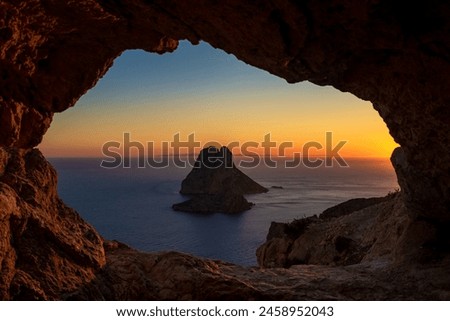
(204, 91)
(53, 51)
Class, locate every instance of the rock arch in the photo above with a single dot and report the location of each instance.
(395, 54)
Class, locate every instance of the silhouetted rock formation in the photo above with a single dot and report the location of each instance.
(230, 203)
(214, 172)
(216, 185)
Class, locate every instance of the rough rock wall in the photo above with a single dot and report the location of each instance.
(366, 230)
(45, 247)
(394, 53)
(130, 275)
(54, 51)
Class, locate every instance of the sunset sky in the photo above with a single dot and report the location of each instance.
(202, 90)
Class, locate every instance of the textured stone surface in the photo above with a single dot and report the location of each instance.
(351, 233)
(338, 237)
(46, 248)
(393, 53)
(130, 275)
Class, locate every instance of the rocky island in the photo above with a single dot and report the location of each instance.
(217, 185)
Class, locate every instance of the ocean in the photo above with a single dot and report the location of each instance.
(133, 205)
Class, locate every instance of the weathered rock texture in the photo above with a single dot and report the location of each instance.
(130, 275)
(394, 53)
(46, 249)
(217, 185)
(358, 231)
(352, 232)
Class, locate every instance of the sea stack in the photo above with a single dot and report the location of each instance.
(217, 185)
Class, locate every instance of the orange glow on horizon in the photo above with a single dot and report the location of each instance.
(297, 113)
(315, 146)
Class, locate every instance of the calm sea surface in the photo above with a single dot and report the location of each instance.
(134, 205)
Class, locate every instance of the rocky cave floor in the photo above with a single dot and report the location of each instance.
(131, 275)
(357, 266)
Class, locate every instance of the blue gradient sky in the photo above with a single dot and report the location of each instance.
(202, 90)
